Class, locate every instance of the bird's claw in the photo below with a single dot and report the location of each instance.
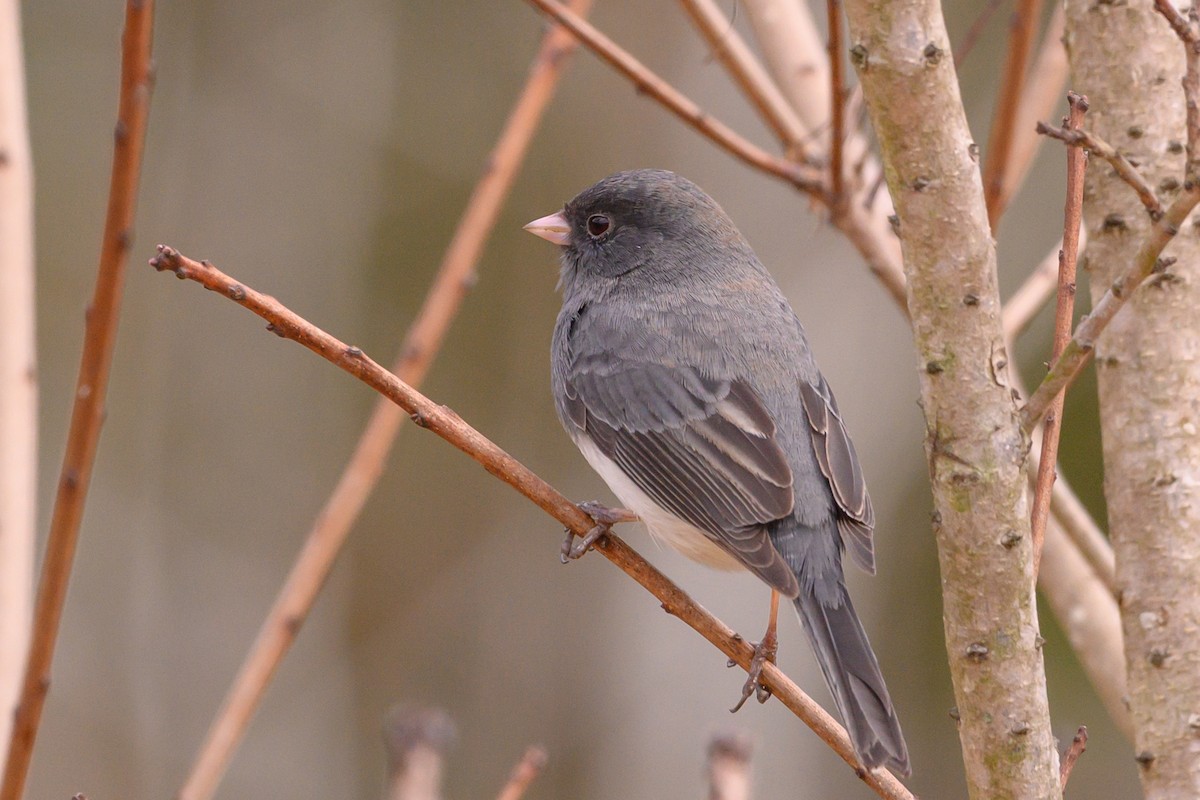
(764, 651)
(574, 547)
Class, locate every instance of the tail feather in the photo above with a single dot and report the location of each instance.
(853, 675)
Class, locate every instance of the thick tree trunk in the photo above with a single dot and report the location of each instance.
(974, 444)
(1129, 63)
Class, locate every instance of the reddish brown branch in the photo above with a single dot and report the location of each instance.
(449, 426)
(1022, 30)
(87, 414)
(362, 471)
(1064, 311)
(1043, 91)
(1098, 147)
(1078, 745)
(733, 52)
(524, 773)
(803, 178)
(837, 107)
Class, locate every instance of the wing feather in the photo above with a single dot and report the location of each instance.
(839, 464)
(703, 448)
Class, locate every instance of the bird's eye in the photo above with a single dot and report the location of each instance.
(597, 225)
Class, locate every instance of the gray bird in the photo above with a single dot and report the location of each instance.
(684, 377)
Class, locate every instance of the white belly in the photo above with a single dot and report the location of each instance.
(664, 526)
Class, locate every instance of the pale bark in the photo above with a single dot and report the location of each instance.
(18, 378)
(1129, 63)
(974, 442)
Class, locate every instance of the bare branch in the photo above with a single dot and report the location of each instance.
(1097, 146)
(971, 37)
(837, 107)
(1078, 745)
(795, 55)
(803, 178)
(1037, 289)
(360, 475)
(1083, 531)
(416, 741)
(524, 773)
(1078, 351)
(449, 426)
(1063, 316)
(18, 370)
(730, 49)
(1022, 30)
(87, 414)
(729, 766)
(1043, 91)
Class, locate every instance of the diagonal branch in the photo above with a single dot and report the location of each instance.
(361, 474)
(1080, 137)
(803, 178)
(449, 426)
(532, 762)
(1022, 30)
(733, 52)
(87, 414)
(1067, 259)
(1078, 352)
(1043, 91)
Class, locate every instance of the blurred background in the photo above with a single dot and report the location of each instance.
(322, 153)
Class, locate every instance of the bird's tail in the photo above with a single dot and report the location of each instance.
(853, 675)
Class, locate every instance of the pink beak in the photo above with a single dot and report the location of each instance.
(552, 227)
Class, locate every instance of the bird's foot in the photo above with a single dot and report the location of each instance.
(574, 547)
(764, 651)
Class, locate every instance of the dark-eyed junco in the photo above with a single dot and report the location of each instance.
(682, 374)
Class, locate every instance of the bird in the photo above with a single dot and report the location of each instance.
(684, 377)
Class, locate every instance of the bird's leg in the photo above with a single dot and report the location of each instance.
(764, 651)
(604, 517)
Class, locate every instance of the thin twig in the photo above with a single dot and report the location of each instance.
(1098, 147)
(1078, 745)
(361, 473)
(1078, 351)
(1042, 94)
(87, 414)
(449, 426)
(524, 773)
(802, 177)
(1022, 28)
(729, 766)
(967, 44)
(1029, 298)
(837, 107)
(1191, 82)
(741, 63)
(1064, 311)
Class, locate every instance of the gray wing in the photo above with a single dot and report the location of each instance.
(839, 465)
(702, 448)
